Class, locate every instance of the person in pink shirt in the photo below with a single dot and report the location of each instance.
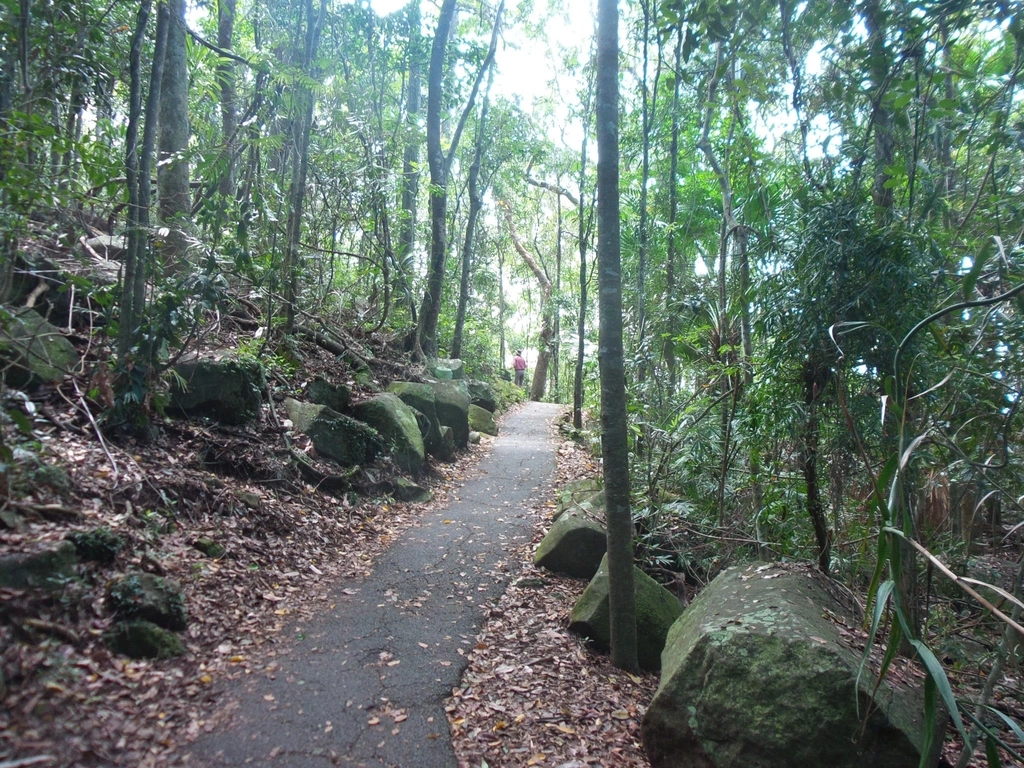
(519, 365)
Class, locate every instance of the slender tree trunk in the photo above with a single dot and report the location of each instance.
(556, 329)
(672, 323)
(302, 124)
(878, 67)
(815, 379)
(540, 371)
(614, 443)
(138, 166)
(228, 99)
(430, 309)
(175, 203)
(425, 345)
(410, 165)
(476, 203)
(583, 237)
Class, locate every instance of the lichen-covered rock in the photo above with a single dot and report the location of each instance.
(420, 397)
(481, 394)
(221, 387)
(755, 674)
(446, 447)
(474, 437)
(584, 495)
(406, 490)
(45, 568)
(452, 407)
(32, 351)
(149, 597)
(481, 420)
(340, 438)
(100, 545)
(447, 368)
(335, 396)
(143, 640)
(397, 425)
(574, 545)
(656, 610)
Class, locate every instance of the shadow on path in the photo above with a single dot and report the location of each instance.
(366, 686)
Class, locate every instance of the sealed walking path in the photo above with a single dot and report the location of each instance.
(367, 685)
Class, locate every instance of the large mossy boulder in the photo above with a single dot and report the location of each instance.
(143, 640)
(33, 351)
(420, 397)
(47, 567)
(335, 396)
(574, 545)
(482, 420)
(482, 395)
(656, 611)
(149, 598)
(397, 425)
(219, 386)
(755, 673)
(340, 438)
(584, 495)
(451, 401)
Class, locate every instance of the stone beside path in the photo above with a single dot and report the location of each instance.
(366, 684)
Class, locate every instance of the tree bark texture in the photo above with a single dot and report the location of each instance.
(175, 202)
(614, 441)
(228, 99)
(476, 204)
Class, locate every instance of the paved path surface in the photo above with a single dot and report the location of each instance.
(367, 685)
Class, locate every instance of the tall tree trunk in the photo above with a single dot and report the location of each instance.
(557, 315)
(175, 203)
(410, 165)
(302, 124)
(425, 345)
(672, 323)
(430, 309)
(878, 68)
(228, 99)
(614, 443)
(138, 167)
(540, 371)
(476, 203)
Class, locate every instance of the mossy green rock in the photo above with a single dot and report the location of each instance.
(220, 387)
(482, 420)
(406, 490)
(585, 495)
(574, 545)
(33, 351)
(210, 548)
(143, 640)
(46, 568)
(452, 407)
(420, 397)
(754, 674)
(397, 425)
(100, 545)
(447, 368)
(656, 610)
(481, 394)
(148, 597)
(340, 438)
(335, 396)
